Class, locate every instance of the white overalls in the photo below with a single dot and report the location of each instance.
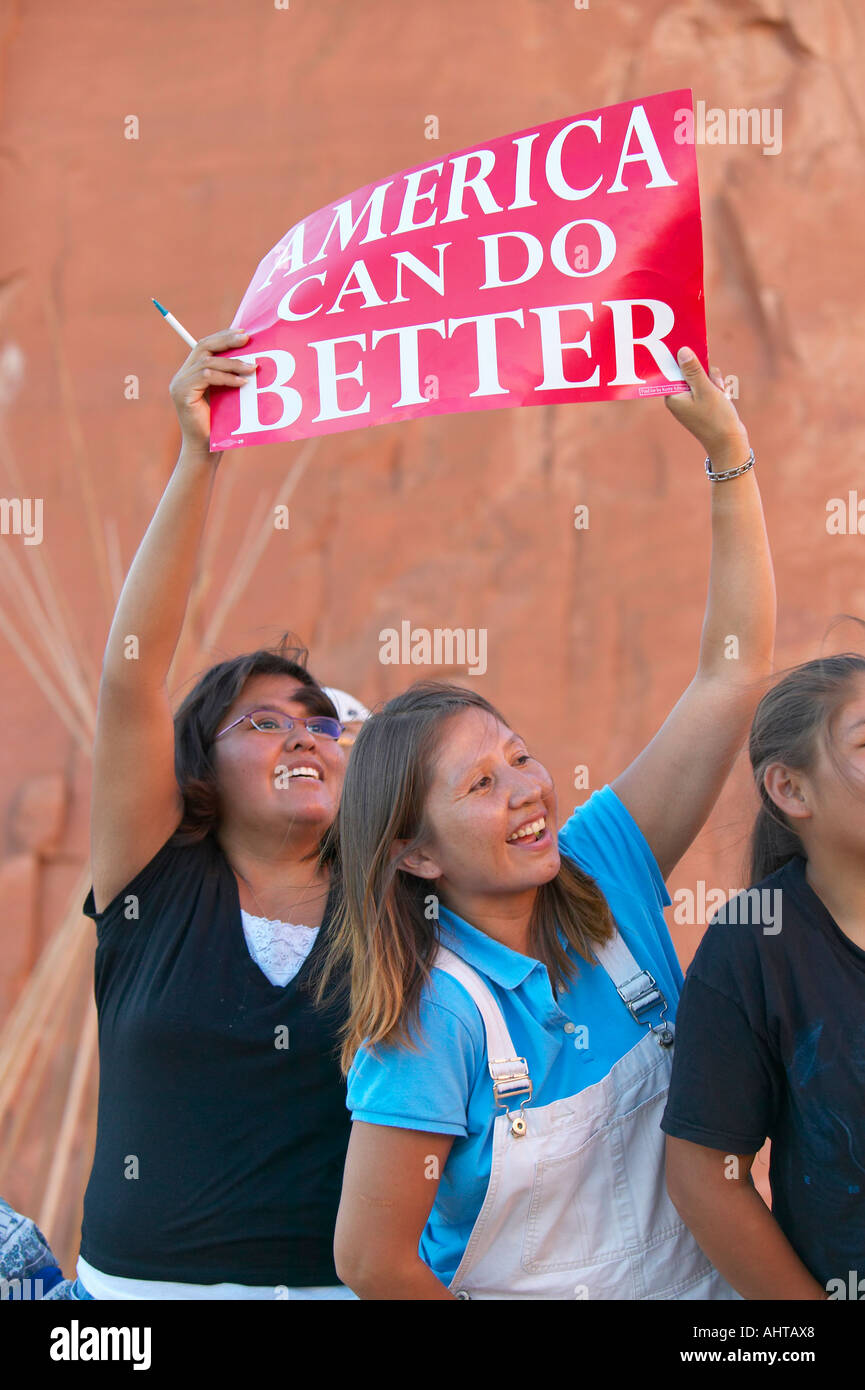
(576, 1206)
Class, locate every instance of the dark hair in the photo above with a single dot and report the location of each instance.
(790, 721)
(198, 719)
(384, 929)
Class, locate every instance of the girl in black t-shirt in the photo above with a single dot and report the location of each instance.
(771, 1024)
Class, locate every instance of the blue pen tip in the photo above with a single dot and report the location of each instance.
(163, 312)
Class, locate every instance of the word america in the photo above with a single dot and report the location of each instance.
(293, 253)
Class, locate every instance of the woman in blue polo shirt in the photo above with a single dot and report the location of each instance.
(508, 1051)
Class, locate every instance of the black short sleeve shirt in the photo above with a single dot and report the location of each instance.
(770, 1042)
(222, 1124)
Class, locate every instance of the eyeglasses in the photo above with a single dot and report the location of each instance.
(268, 721)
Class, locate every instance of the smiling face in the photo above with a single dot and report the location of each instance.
(491, 813)
(277, 780)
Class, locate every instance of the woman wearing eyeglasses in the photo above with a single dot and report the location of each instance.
(222, 1126)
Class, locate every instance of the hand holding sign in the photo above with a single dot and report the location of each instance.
(708, 414)
(202, 370)
(460, 285)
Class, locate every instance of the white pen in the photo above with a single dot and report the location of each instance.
(178, 327)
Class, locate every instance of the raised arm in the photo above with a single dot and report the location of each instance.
(136, 802)
(671, 786)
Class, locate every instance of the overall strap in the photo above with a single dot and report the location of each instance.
(509, 1072)
(637, 989)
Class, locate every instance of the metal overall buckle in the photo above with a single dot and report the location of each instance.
(641, 992)
(507, 1084)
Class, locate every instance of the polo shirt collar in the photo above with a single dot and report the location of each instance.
(498, 962)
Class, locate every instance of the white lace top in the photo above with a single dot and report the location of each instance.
(278, 948)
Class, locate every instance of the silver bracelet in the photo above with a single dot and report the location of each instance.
(731, 472)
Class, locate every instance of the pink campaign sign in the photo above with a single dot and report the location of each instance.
(563, 263)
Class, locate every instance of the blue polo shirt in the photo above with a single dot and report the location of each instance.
(445, 1087)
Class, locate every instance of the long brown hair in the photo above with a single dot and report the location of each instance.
(384, 931)
(203, 710)
(791, 720)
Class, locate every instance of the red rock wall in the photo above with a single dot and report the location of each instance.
(249, 118)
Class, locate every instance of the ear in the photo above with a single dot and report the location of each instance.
(418, 862)
(788, 789)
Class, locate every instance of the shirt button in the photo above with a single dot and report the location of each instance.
(570, 1027)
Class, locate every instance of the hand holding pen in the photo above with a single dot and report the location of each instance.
(201, 370)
